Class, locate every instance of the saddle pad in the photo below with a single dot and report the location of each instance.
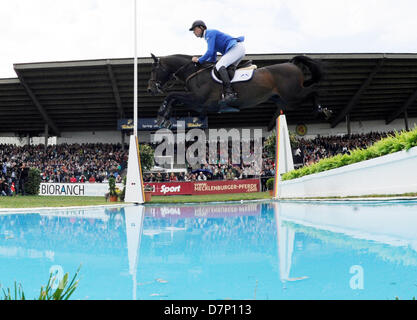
(240, 75)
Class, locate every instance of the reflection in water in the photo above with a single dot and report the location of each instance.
(263, 250)
(134, 225)
(389, 230)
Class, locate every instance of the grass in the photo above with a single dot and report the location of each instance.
(50, 201)
(57, 201)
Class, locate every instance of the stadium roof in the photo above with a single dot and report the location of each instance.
(91, 95)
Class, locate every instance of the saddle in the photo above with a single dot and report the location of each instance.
(243, 72)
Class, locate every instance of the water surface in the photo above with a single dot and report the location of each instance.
(256, 250)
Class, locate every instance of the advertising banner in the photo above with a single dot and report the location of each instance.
(205, 187)
(149, 124)
(75, 189)
(159, 188)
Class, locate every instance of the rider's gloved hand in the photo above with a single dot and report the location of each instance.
(196, 62)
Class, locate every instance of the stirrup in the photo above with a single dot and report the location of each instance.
(229, 97)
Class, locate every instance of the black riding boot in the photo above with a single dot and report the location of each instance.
(229, 94)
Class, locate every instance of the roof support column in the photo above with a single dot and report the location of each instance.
(348, 127)
(116, 93)
(36, 102)
(406, 120)
(46, 136)
(402, 109)
(123, 140)
(352, 103)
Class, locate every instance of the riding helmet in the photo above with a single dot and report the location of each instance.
(198, 23)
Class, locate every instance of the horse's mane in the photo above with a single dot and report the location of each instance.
(176, 60)
(178, 57)
(185, 56)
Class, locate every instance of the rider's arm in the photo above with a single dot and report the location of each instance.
(211, 53)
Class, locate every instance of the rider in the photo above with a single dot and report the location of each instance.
(232, 50)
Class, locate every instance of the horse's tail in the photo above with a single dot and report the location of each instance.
(313, 65)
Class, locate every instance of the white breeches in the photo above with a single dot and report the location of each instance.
(233, 56)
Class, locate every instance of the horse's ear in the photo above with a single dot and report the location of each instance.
(154, 57)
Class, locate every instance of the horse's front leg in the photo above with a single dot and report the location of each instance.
(165, 111)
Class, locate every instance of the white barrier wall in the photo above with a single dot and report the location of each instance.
(391, 174)
(79, 137)
(113, 137)
(9, 138)
(76, 189)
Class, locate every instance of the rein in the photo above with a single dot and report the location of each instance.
(196, 73)
(174, 77)
(180, 69)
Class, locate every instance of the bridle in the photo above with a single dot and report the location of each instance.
(153, 79)
(172, 79)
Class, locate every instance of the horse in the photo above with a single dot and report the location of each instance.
(282, 83)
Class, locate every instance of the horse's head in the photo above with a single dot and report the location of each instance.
(160, 75)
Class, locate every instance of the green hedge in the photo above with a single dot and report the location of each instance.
(33, 183)
(270, 184)
(146, 157)
(400, 141)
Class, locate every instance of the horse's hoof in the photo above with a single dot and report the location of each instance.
(163, 123)
(160, 121)
(327, 113)
(167, 124)
(163, 109)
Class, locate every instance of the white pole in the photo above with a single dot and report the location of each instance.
(135, 80)
(134, 182)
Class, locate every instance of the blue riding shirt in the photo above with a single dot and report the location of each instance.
(217, 41)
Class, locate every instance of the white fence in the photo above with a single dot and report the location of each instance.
(387, 175)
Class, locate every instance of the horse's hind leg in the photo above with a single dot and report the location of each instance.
(279, 102)
(318, 109)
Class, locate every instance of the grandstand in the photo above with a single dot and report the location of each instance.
(79, 106)
(82, 101)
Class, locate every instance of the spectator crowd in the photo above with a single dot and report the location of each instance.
(96, 163)
(64, 163)
(308, 151)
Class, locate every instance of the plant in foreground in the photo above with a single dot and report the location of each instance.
(64, 290)
(403, 140)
